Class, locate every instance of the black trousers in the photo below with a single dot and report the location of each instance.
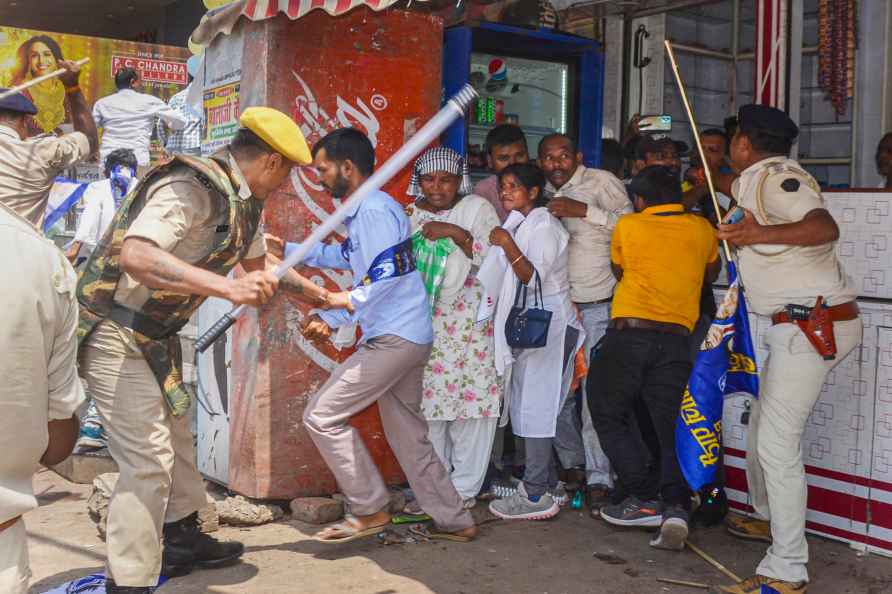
(641, 368)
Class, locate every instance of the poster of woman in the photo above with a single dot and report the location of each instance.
(37, 56)
(26, 55)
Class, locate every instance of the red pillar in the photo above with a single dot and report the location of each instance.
(381, 73)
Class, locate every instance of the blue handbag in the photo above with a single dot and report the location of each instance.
(527, 328)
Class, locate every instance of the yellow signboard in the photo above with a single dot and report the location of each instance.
(27, 54)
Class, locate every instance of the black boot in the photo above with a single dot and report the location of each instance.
(186, 547)
(112, 588)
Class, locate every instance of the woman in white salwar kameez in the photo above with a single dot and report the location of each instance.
(537, 380)
(461, 391)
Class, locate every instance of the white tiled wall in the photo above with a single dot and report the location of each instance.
(850, 428)
(865, 244)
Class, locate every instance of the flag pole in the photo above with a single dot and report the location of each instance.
(690, 112)
(36, 81)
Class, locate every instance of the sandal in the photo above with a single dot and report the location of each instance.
(413, 508)
(434, 533)
(349, 531)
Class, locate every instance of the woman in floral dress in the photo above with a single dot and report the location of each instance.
(462, 392)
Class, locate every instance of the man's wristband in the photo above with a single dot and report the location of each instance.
(72, 90)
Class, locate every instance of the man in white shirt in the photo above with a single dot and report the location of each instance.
(101, 200)
(589, 202)
(127, 118)
(40, 389)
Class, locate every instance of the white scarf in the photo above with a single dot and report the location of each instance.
(499, 280)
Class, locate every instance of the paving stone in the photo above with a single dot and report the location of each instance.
(316, 510)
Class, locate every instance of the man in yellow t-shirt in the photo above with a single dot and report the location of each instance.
(661, 257)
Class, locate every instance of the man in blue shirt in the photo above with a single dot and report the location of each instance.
(390, 304)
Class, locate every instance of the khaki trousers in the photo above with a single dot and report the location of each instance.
(789, 386)
(387, 370)
(14, 568)
(154, 451)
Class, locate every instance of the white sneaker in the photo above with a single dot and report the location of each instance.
(674, 530)
(503, 490)
(559, 494)
(520, 507)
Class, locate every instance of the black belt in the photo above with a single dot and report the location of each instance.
(598, 302)
(653, 326)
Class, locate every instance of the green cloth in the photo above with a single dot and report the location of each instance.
(430, 260)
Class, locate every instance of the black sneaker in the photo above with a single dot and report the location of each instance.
(186, 547)
(674, 530)
(112, 588)
(634, 512)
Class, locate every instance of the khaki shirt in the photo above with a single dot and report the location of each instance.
(182, 217)
(39, 346)
(776, 275)
(29, 167)
(589, 249)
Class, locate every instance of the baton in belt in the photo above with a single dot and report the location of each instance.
(454, 109)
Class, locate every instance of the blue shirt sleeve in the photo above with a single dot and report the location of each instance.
(322, 256)
(377, 230)
(335, 318)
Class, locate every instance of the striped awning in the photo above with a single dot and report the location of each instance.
(222, 20)
(257, 10)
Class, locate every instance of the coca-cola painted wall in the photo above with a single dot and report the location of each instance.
(380, 73)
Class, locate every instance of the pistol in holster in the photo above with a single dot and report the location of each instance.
(816, 324)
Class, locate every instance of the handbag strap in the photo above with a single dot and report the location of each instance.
(521, 289)
(538, 300)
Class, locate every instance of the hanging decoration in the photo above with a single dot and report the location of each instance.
(836, 51)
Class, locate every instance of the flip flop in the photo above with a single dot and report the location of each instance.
(434, 533)
(409, 519)
(352, 533)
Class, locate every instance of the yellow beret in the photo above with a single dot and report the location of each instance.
(279, 131)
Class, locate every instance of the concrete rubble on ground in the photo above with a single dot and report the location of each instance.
(239, 511)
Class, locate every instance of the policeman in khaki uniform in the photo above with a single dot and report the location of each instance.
(170, 246)
(40, 389)
(787, 259)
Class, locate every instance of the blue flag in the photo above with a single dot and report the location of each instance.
(92, 584)
(64, 195)
(726, 364)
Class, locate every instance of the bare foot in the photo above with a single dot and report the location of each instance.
(470, 533)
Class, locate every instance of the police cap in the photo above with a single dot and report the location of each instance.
(279, 131)
(767, 119)
(17, 102)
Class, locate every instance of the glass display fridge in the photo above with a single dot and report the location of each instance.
(541, 80)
